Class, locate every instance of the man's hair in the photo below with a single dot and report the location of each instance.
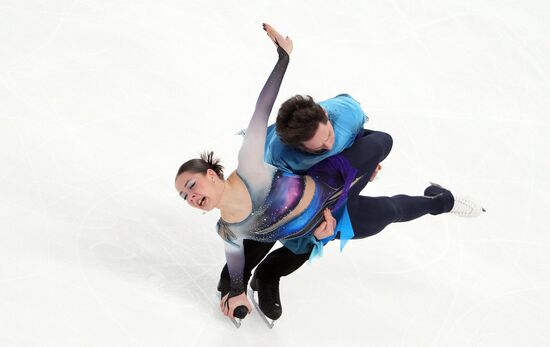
(206, 161)
(298, 119)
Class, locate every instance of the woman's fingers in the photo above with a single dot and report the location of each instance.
(272, 33)
(226, 308)
(222, 302)
(278, 39)
(237, 301)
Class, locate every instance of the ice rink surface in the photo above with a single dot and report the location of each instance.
(101, 101)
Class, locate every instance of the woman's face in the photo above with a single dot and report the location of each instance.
(202, 191)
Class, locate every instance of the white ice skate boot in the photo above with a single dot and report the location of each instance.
(464, 206)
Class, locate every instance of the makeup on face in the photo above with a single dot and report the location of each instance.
(190, 185)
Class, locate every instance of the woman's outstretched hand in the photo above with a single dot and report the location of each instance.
(278, 39)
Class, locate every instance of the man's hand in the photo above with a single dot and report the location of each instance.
(278, 39)
(326, 228)
(378, 168)
(228, 306)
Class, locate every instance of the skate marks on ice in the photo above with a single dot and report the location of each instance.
(151, 254)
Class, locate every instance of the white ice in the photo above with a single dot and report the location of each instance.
(101, 101)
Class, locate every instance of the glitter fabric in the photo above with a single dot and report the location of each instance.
(266, 222)
(274, 193)
(265, 184)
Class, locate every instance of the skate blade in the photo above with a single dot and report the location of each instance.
(269, 322)
(235, 322)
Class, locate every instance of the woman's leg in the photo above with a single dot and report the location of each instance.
(280, 262)
(254, 252)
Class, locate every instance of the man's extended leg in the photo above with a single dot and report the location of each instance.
(368, 151)
(370, 215)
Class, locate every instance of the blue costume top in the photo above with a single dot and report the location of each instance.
(347, 119)
(274, 194)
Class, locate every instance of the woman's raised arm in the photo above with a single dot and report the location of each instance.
(252, 150)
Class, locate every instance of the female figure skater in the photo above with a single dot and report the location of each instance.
(262, 203)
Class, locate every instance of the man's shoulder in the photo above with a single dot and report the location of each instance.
(341, 99)
(344, 110)
(276, 153)
(280, 150)
(340, 105)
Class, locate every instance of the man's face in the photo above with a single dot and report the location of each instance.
(322, 140)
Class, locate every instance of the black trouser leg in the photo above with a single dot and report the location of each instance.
(370, 215)
(280, 262)
(254, 252)
(368, 151)
(365, 154)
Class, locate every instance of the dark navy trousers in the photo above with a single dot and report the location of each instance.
(368, 215)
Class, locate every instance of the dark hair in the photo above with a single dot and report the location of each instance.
(298, 119)
(206, 161)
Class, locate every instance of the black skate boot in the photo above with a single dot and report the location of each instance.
(435, 191)
(269, 302)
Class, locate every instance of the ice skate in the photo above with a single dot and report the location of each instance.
(268, 302)
(463, 206)
(240, 312)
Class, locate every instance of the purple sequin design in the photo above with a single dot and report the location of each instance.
(286, 191)
(326, 171)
